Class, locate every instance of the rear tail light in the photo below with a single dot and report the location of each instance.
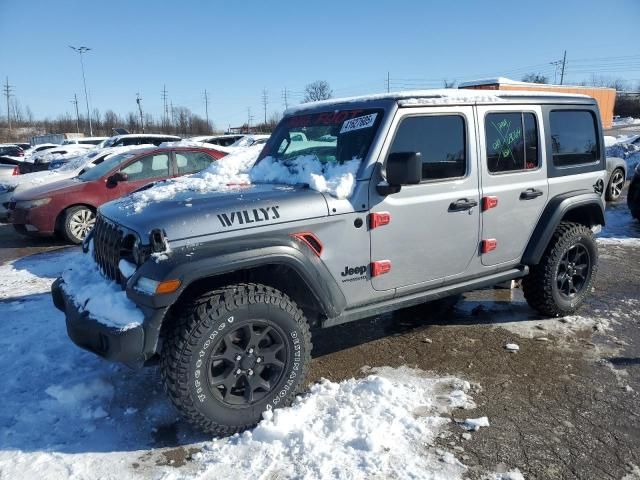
(21, 153)
(16, 171)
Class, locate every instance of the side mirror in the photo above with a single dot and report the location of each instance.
(403, 168)
(113, 180)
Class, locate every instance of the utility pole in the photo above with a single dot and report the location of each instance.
(249, 118)
(164, 102)
(564, 62)
(265, 99)
(139, 102)
(206, 108)
(80, 51)
(285, 97)
(7, 93)
(388, 82)
(75, 103)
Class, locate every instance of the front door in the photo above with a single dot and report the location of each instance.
(513, 179)
(434, 226)
(142, 171)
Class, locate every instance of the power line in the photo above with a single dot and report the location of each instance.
(75, 103)
(164, 97)
(7, 93)
(139, 102)
(206, 107)
(265, 100)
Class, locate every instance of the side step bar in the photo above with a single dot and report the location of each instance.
(385, 306)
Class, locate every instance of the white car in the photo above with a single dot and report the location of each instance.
(8, 171)
(10, 185)
(84, 141)
(250, 140)
(42, 159)
(28, 153)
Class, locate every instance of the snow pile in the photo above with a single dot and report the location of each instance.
(474, 424)
(626, 121)
(195, 144)
(335, 179)
(228, 172)
(378, 427)
(103, 299)
(510, 475)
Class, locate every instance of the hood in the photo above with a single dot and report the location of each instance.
(47, 189)
(30, 180)
(192, 214)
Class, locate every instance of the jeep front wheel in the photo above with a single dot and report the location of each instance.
(234, 353)
(561, 281)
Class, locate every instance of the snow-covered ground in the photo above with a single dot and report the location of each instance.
(69, 414)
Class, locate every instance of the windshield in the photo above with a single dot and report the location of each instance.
(100, 170)
(332, 137)
(321, 150)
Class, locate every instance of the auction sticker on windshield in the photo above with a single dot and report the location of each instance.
(358, 123)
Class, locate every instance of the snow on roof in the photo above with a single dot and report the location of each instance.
(190, 143)
(145, 135)
(434, 96)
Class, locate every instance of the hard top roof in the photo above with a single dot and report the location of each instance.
(447, 96)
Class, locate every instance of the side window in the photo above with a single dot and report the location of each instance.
(440, 139)
(573, 137)
(153, 166)
(512, 141)
(191, 162)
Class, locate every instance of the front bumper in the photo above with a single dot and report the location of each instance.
(34, 221)
(133, 347)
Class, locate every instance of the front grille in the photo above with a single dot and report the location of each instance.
(107, 245)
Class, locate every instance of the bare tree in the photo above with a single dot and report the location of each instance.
(535, 78)
(448, 83)
(601, 81)
(318, 90)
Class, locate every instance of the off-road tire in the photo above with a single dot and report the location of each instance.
(202, 325)
(540, 287)
(614, 187)
(69, 231)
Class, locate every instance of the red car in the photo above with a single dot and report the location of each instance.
(68, 207)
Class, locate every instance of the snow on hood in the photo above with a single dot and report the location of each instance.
(238, 169)
(338, 180)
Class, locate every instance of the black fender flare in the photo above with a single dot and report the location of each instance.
(190, 264)
(590, 206)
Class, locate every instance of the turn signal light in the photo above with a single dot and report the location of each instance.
(310, 240)
(380, 267)
(168, 286)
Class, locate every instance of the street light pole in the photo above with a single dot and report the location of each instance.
(80, 51)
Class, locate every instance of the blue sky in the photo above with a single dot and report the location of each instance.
(237, 49)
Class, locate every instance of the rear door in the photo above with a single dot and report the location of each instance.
(434, 226)
(513, 180)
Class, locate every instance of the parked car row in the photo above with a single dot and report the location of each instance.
(66, 184)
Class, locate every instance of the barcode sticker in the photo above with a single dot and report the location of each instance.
(358, 123)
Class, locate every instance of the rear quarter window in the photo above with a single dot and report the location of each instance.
(574, 137)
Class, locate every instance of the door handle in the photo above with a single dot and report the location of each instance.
(530, 194)
(462, 204)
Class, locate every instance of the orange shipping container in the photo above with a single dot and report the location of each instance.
(606, 97)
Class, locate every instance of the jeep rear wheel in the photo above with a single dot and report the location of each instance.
(234, 353)
(561, 281)
(77, 222)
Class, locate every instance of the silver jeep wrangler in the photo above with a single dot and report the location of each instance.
(455, 190)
